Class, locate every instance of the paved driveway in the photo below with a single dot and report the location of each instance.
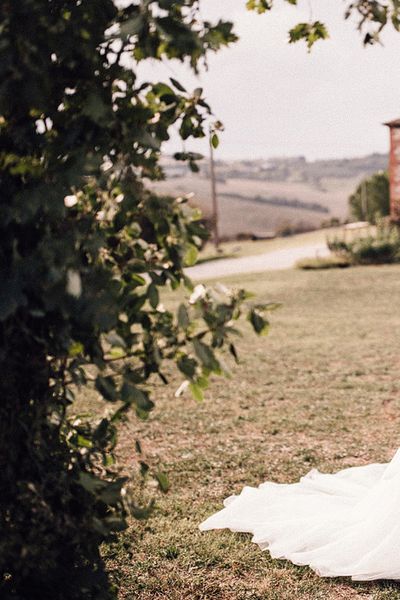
(270, 261)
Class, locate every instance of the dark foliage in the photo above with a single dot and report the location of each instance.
(84, 253)
(382, 247)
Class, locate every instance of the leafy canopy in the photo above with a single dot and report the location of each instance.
(372, 17)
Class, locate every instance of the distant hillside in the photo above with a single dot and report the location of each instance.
(266, 195)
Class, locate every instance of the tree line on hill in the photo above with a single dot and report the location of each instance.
(279, 201)
(287, 169)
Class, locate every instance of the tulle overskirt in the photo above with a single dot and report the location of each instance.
(342, 524)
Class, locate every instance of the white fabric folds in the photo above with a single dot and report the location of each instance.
(344, 524)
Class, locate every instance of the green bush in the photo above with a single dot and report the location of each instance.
(381, 248)
(85, 252)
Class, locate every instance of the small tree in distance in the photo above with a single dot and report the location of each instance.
(371, 200)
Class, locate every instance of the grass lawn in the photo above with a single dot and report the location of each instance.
(323, 389)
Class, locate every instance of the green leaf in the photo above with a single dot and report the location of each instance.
(140, 398)
(259, 6)
(191, 255)
(188, 283)
(260, 325)
(101, 430)
(115, 340)
(75, 349)
(153, 295)
(206, 355)
(197, 392)
(108, 460)
(232, 350)
(187, 366)
(132, 26)
(106, 387)
(194, 167)
(163, 481)
(202, 382)
(176, 84)
(214, 140)
(116, 353)
(309, 32)
(83, 442)
(138, 279)
(144, 468)
(183, 317)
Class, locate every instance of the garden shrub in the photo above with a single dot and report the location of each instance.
(380, 248)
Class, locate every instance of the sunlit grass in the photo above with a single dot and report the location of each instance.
(321, 391)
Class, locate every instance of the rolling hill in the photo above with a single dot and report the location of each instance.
(269, 195)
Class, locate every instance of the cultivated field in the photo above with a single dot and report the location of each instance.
(323, 390)
(241, 215)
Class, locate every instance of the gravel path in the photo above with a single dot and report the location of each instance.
(270, 261)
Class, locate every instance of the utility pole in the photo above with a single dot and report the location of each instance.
(214, 193)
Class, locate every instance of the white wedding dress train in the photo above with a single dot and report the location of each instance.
(344, 524)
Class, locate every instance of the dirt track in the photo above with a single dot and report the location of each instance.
(269, 261)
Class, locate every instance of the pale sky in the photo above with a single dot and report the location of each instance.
(276, 99)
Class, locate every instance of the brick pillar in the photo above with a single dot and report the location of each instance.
(394, 170)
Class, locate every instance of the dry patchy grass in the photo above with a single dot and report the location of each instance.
(322, 390)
